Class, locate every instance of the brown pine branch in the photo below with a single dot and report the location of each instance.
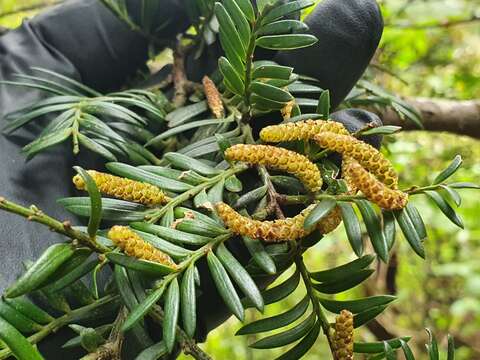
(456, 116)
(440, 24)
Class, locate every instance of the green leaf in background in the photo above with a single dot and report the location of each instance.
(449, 171)
(95, 201)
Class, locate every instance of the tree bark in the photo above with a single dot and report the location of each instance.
(459, 117)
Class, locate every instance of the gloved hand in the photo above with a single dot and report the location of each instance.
(84, 40)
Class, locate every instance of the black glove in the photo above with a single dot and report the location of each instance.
(348, 33)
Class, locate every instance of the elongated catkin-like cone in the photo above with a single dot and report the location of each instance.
(288, 229)
(352, 187)
(214, 99)
(133, 245)
(279, 159)
(369, 157)
(373, 189)
(124, 189)
(343, 340)
(301, 130)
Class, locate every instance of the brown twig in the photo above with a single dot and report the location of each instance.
(112, 349)
(36, 215)
(188, 345)
(273, 204)
(442, 24)
(180, 81)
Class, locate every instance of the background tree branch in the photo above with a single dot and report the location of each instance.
(456, 116)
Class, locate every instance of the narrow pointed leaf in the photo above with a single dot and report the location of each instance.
(232, 80)
(153, 352)
(277, 321)
(39, 273)
(259, 255)
(142, 309)
(185, 113)
(323, 107)
(344, 284)
(241, 277)
(17, 343)
(95, 202)
(170, 234)
(352, 228)
(286, 42)
(319, 212)
(172, 306)
(189, 301)
(367, 315)
(144, 266)
(389, 228)
(286, 9)
(409, 231)
(449, 171)
(378, 347)
(343, 271)
(187, 163)
(137, 174)
(372, 222)
(417, 221)
(303, 346)
(283, 27)
(286, 337)
(407, 352)
(356, 306)
(270, 92)
(224, 286)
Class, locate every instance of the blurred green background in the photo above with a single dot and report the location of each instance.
(423, 53)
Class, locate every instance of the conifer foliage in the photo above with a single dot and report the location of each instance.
(187, 177)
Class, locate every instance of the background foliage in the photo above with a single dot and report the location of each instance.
(420, 55)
